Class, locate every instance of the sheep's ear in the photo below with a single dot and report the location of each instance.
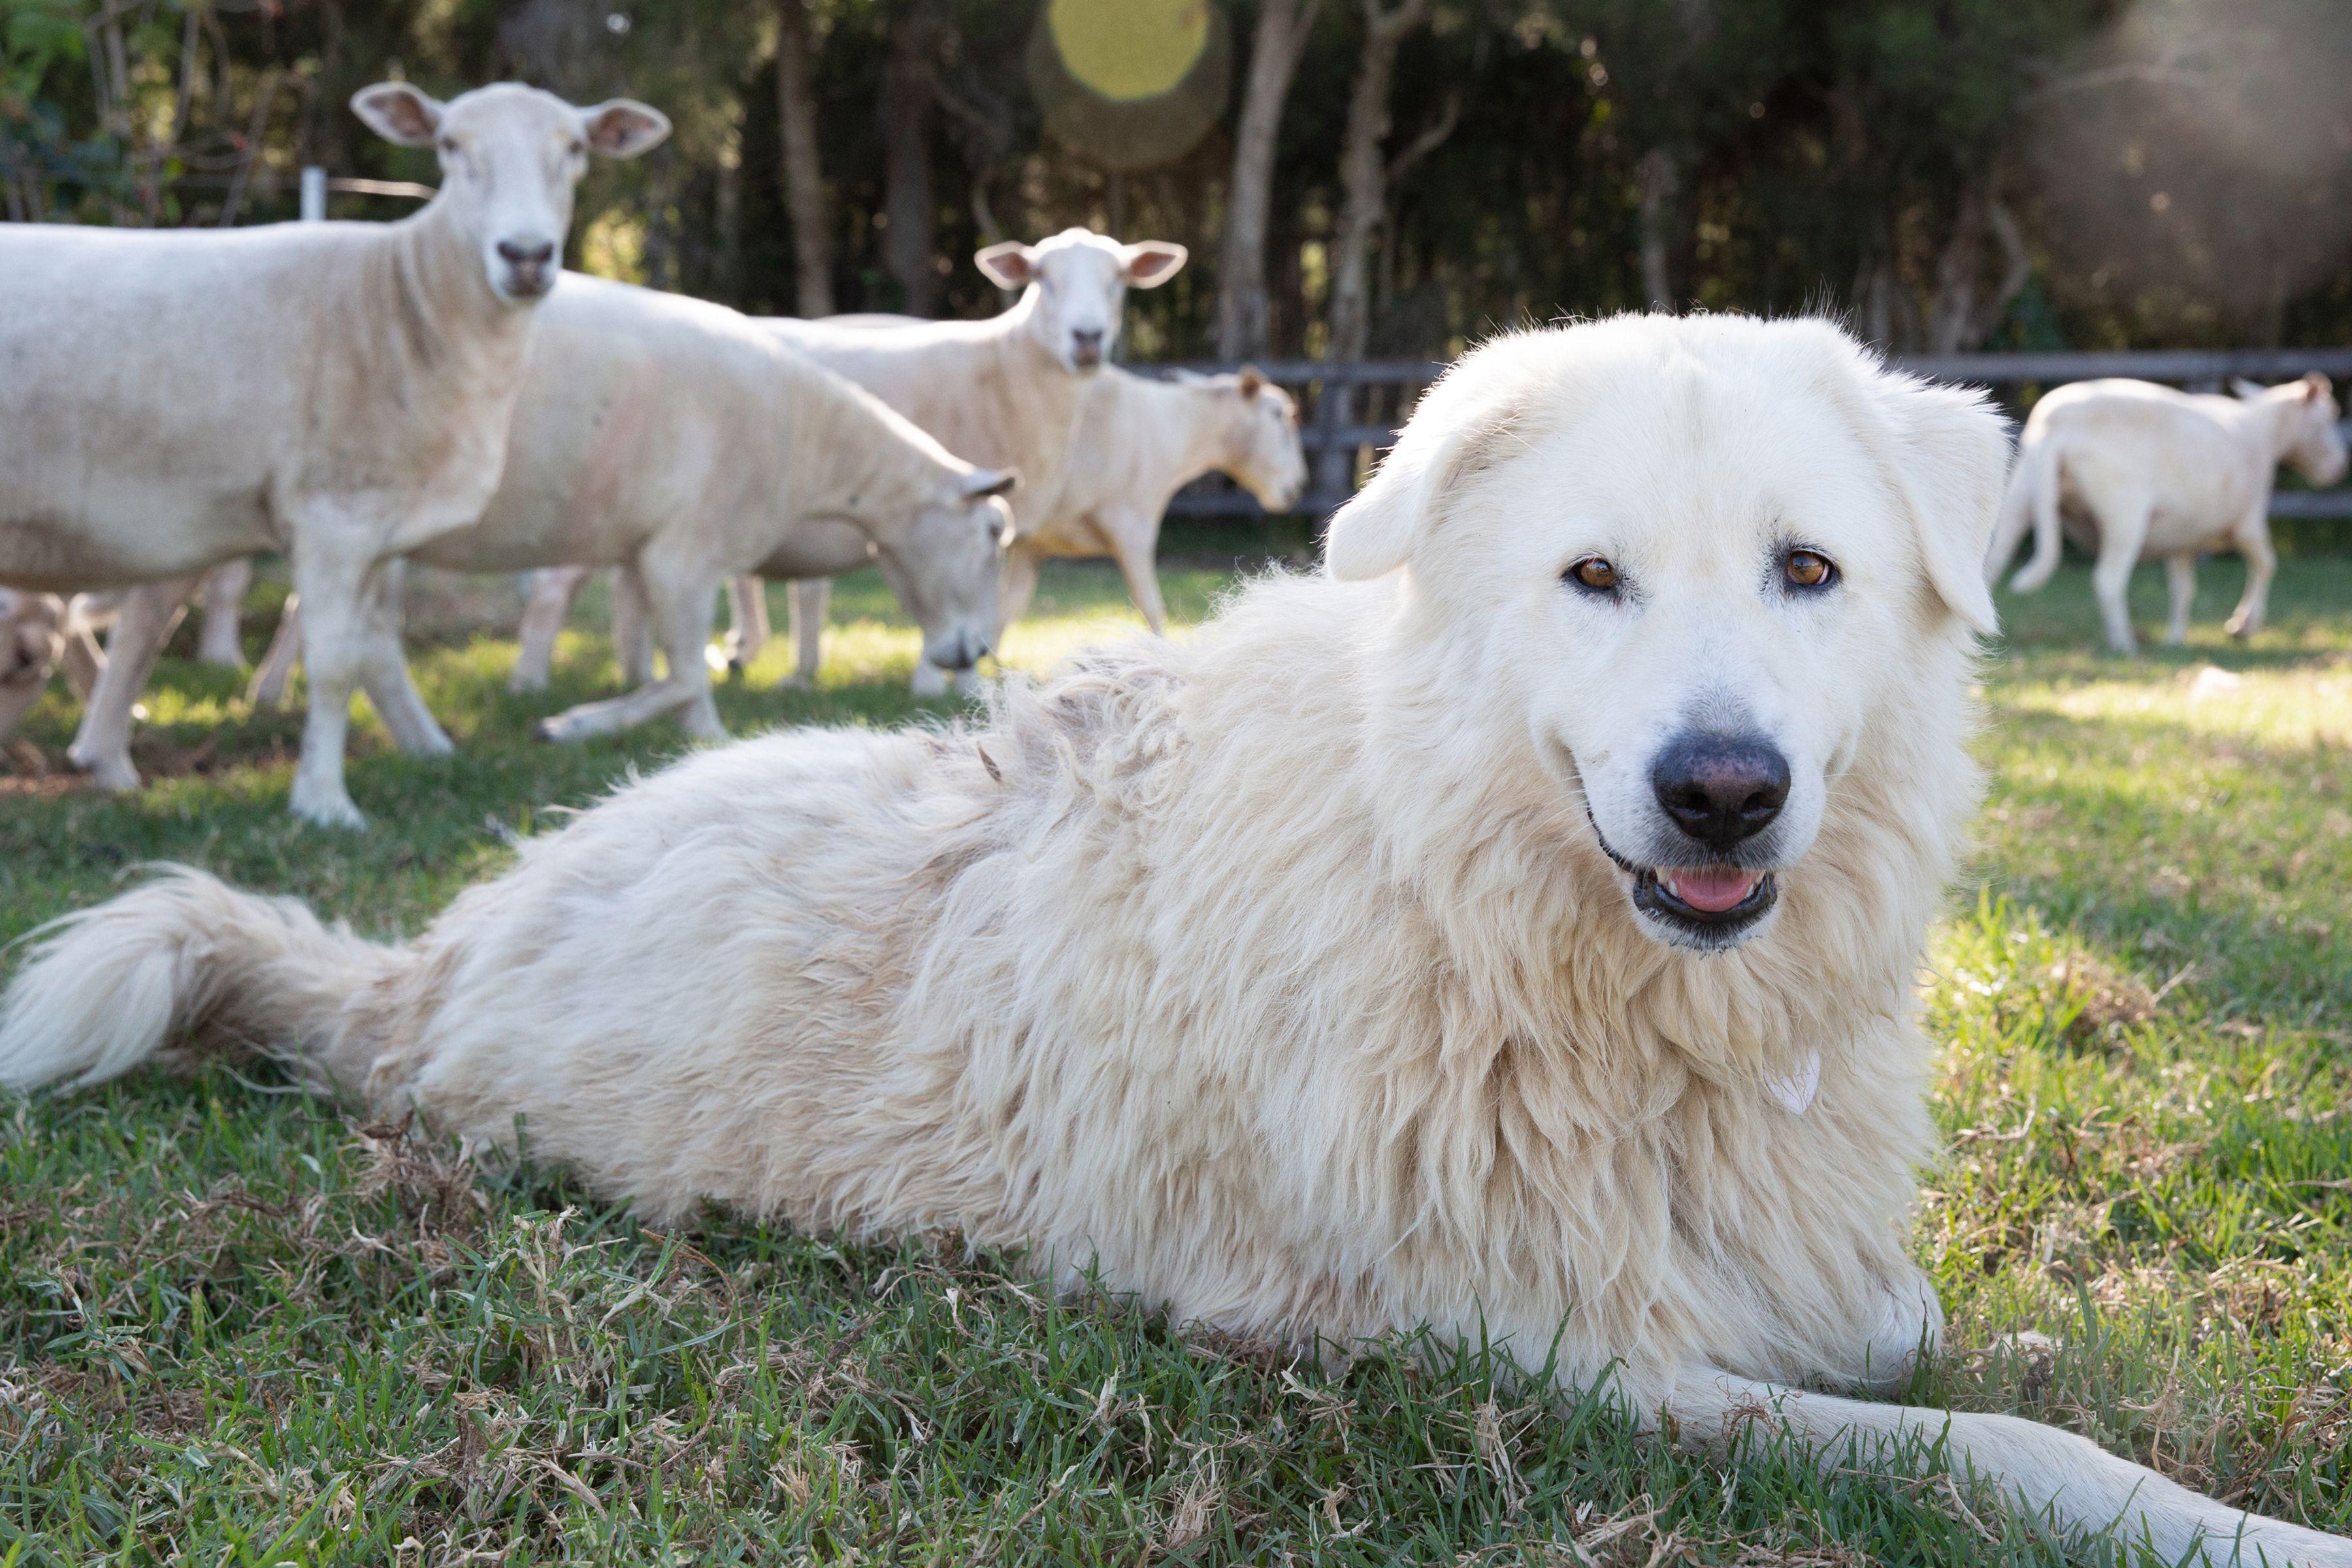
(1011, 265)
(2315, 385)
(399, 113)
(982, 483)
(623, 128)
(1950, 465)
(1252, 381)
(1147, 264)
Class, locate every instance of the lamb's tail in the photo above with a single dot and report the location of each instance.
(2031, 501)
(110, 987)
(2053, 1475)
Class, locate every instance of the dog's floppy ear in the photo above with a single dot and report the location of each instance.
(1951, 462)
(1373, 534)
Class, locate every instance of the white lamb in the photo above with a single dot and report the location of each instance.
(338, 391)
(2154, 474)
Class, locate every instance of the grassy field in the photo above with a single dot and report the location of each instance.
(240, 1327)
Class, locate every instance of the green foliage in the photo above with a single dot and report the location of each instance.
(244, 1327)
(1837, 155)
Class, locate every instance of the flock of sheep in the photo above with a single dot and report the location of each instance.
(356, 395)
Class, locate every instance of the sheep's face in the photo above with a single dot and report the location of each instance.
(1075, 288)
(1271, 461)
(947, 562)
(511, 156)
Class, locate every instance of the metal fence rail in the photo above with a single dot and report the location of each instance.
(1337, 440)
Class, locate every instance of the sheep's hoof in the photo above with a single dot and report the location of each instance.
(321, 808)
(114, 774)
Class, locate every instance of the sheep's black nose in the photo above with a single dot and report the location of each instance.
(1720, 789)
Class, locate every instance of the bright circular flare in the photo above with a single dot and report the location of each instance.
(1130, 49)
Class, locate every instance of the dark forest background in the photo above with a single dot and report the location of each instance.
(1354, 176)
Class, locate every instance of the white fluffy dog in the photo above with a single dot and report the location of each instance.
(1513, 932)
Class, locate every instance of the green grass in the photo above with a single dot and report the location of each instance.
(241, 1328)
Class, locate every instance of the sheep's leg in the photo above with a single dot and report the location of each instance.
(30, 646)
(633, 628)
(101, 747)
(19, 691)
(384, 674)
(552, 593)
(224, 591)
(812, 600)
(1133, 537)
(748, 630)
(267, 686)
(335, 585)
(2122, 532)
(684, 601)
(84, 660)
(2253, 536)
(2180, 581)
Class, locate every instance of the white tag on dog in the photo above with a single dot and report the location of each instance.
(1796, 1088)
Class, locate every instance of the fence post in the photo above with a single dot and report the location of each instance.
(314, 193)
(1334, 471)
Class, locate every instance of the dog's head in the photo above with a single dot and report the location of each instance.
(1692, 556)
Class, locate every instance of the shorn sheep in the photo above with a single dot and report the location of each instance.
(338, 391)
(1140, 441)
(2152, 474)
(677, 436)
(1513, 932)
(1006, 391)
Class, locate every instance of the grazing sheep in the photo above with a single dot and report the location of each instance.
(1513, 933)
(1139, 442)
(681, 439)
(1006, 391)
(2154, 474)
(339, 391)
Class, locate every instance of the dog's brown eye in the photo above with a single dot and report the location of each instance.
(1804, 569)
(1595, 573)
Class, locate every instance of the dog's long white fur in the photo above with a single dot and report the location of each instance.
(1276, 974)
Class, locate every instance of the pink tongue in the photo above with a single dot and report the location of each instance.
(1714, 889)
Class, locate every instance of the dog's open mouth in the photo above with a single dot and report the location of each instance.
(1704, 907)
(1712, 904)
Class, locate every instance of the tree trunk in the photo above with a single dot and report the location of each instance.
(1957, 321)
(804, 196)
(1282, 27)
(1364, 174)
(907, 98)
(1660, 181)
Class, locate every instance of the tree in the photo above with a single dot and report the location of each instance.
(805, 193)
(1366, 173)
(907, 99)
(1242, 310)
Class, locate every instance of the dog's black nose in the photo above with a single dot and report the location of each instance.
(1720, 789)
(538, 255)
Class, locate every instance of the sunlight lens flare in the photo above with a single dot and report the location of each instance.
(1129, 51)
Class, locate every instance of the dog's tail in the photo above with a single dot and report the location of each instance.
(2031, 501)
(2066, 1480)
(110, 987)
